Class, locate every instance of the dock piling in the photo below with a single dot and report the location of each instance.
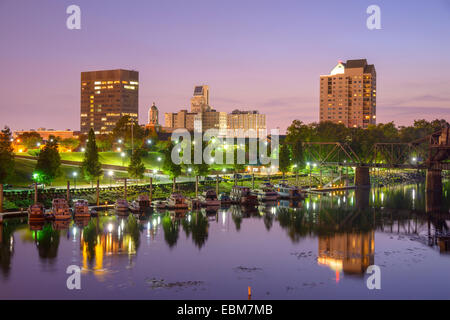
(151, 189)
(98, 192)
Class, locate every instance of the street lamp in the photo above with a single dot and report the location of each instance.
(74, 174)
(149, 141)
(110, 173)
(83, 149)
(159, 163)
(123, 156)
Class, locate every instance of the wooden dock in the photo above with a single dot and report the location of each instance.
(326, 190)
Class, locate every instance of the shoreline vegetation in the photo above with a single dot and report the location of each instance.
(21, 199)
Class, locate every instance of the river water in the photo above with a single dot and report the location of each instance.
(320, 248)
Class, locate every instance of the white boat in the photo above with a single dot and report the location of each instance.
(243, 196)
(177, 201)
(141, 204)
(266, 192)
(286, 191)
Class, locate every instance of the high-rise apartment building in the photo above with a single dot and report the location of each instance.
(348, 94)
(106, 96)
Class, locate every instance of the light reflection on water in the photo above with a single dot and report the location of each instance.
(319, 248)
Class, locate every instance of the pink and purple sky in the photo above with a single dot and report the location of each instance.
(254, 54)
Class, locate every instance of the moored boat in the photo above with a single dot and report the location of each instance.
(225, 199)
(177, 201)
(243, 196)
(286, 191)
(122, 206)
(209, 199)
(141, 204)
(81, 208)
(60, 209)
(266, 192)
(36, 213)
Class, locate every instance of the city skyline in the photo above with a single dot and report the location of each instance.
(249, 63)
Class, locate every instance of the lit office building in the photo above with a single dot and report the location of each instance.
(106, 96)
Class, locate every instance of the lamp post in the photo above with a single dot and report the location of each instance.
(123, 156)
(110, 173)
(159, 163)
(75, 178)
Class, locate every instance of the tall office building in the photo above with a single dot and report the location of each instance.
(106, 96)
(348, 94)
(200, 99)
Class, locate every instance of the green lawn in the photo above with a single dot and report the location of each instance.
(114, 158)
(24, 170)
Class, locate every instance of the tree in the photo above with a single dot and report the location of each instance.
(285, 159)
(6, 160)
(49, 162)
(136, 168)
(122, 131)
(70, 143)
(91, 167)
(104, 142)
(172, 169)
(200, 169)
(298, 157)
(30, 140)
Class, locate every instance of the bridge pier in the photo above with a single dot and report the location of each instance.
(362, 177)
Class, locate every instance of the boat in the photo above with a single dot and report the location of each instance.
(194, 203)
(266, 192)
(243, 196)
(225, 199)
(122, 206)
(177, 201)
(36, 213)
(60, 209)
(81, 208)
(141, 204)
(286, 191)
(160, 205)
(209, 199)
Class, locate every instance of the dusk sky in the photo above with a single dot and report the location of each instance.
(253, 54)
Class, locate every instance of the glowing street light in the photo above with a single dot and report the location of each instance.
(149, 141)
(75, 174)
(110, 174)
(83, 149)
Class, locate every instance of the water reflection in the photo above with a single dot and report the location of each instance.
(344, 225)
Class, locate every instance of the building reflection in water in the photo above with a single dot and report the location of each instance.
(350, 253)
(107, 236)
